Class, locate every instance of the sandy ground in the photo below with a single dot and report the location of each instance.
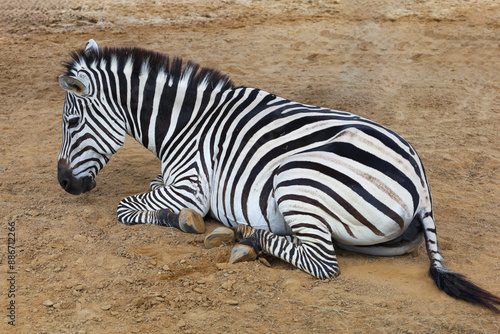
(429, 70)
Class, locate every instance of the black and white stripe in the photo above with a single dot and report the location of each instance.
(298, 178)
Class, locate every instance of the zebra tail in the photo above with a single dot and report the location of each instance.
(454, 284)
(457, 286)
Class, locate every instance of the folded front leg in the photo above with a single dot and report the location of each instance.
(157, 183)
(156, 207)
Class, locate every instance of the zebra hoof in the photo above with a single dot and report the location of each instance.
(220, 236)
(242, 253)
(191, 221)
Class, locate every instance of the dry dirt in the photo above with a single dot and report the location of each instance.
(429, 70)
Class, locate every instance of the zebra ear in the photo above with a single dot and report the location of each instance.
(72, 84)
(91, 47)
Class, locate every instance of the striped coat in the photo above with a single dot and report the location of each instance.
(292, 180)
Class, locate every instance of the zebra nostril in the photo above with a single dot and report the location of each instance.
(64, 184)
(64, 175)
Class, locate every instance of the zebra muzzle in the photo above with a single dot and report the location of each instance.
(71, 184)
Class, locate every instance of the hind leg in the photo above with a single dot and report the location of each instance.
(310, 246)
(311, 250)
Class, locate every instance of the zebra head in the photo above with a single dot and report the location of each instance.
(91, 135)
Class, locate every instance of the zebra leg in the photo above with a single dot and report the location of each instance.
(157, 183)
(149, 208)
(307, 251)
(187, 220)
(219, 236)
(243, 251)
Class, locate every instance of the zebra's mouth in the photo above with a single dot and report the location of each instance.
(68, 182)
(88, 183)
(78, 186)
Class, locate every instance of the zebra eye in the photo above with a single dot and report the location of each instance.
(72, 122)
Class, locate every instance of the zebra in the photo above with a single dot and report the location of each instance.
(287, 179)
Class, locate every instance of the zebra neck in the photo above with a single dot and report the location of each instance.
(167, 114)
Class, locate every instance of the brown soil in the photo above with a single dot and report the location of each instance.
(426, 69)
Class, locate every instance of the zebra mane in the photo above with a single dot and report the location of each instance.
(175, 67)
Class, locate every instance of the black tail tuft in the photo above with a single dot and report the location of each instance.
(457, 286)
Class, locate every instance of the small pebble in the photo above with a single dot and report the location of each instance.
(181, 323)
(232, 302)
(48, 303)
(227, 286)
(221, 266)
(106, 307)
